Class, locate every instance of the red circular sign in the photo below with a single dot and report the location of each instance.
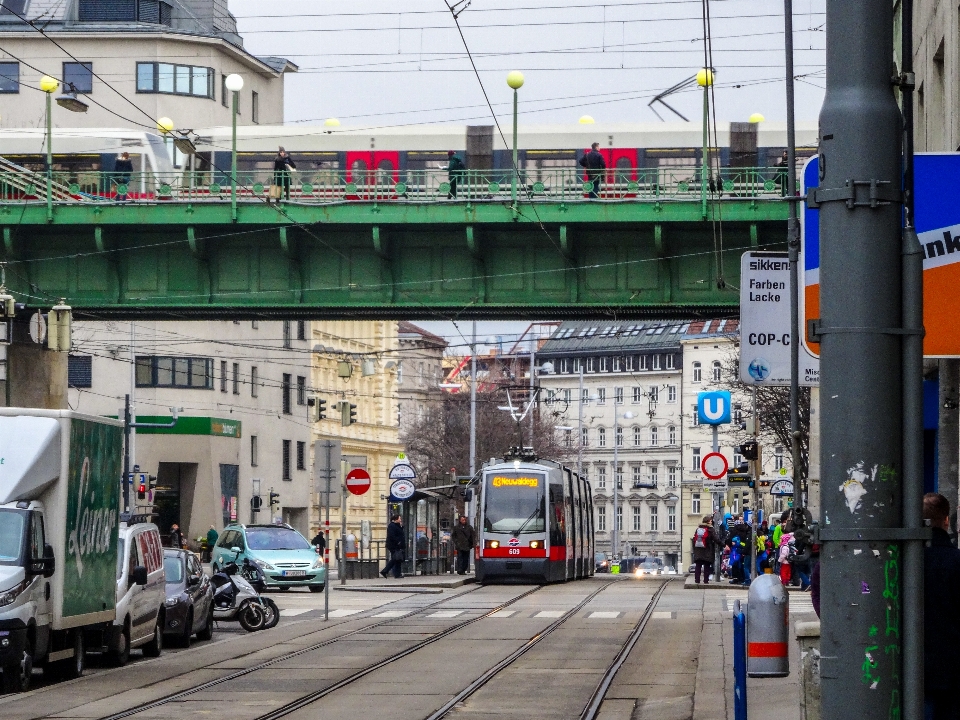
(358, 481)
(714, 465)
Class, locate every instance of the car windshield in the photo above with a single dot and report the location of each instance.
(650, 566)
(276, 539)
(12, 531)
(514, 503)
(173, 569)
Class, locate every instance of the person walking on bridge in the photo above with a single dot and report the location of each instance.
(594, 164)
(464, 539)
(456, 170)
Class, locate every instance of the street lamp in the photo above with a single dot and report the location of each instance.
(49, 85)
(70, 101)
(705, 80)
(234, 83)
(515, 81)
(615, 544)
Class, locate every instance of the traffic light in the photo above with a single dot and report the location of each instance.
(321, 407)
(142, 489)
(256, 502)
(750, 450)
(274, 498)
(348, 413)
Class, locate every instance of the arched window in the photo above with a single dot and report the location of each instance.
(601, 437)
(672, 435)
(619, 436)
(636, 436)
(654, 436)
(697, 372)
(716, 371)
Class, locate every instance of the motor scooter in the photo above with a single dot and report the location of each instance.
(234, 598)
(252, 573)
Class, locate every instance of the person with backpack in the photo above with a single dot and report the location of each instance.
(704, 542)
(595, 165)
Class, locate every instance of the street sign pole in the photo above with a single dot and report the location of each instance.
(860, 332)
(326, 527)
(343, 527)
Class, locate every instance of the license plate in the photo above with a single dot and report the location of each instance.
(294, 573)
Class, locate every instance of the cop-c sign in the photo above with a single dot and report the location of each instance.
(713, 408)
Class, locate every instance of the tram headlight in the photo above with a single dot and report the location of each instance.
(534, 544)
(492, 544)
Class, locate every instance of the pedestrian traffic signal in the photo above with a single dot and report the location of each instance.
(142, 490)
(274, 498)
(348, 413)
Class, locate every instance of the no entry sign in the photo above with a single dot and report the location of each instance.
(358, 481)
(714, 465)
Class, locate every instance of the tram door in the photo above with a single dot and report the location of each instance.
(375, 170)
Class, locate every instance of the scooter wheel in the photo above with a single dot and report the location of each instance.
(272, 613)
(251, 617)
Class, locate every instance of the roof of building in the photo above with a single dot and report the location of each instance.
(583, 337)
(408, 328)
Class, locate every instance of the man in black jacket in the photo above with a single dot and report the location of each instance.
(941, 621)
(463, 539)
(595, 165)
(396, 542)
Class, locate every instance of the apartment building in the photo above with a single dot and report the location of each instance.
(419, 371)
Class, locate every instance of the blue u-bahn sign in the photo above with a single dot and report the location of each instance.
(713, 407)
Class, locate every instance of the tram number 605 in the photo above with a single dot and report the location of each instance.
(513, 551)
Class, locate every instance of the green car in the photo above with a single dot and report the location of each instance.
(283, 555)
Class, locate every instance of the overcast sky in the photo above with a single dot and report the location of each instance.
(373, 63)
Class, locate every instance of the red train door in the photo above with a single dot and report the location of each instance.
(375, 172)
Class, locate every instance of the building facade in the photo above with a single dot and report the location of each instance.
(419, 371)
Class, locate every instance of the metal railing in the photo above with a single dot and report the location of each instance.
(399, 186)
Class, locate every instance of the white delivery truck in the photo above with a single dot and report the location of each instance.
(59, 518)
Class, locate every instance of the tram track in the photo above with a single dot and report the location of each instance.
(300, 702)
(179, 695)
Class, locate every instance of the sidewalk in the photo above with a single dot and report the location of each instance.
(408, 583)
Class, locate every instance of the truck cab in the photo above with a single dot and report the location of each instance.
(26, 562)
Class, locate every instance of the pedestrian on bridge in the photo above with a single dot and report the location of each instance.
(704, 542)
(594, 164)
(456, 170)
(283, 166)
(123, 170)
(396, 543)
(464, 539)
(941, 590)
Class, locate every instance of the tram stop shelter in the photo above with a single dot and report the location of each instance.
(421, 522)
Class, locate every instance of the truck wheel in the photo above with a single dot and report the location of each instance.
(72, 668)
(155, 646)
(207, 632)
(16, 677)
(120, 655)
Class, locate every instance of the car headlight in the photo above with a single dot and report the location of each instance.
(263, 565)
(170, 602)
(317, 564)
(7, 597)
(638, 572)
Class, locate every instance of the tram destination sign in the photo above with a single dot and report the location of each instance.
(765, 323)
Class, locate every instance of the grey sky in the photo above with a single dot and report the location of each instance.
(372, 63)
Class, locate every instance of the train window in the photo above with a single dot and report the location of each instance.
(9, 77)
(79, 75)
(514, 503)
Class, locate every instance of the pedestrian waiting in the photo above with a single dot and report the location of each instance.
(704, 543)
(464, 539)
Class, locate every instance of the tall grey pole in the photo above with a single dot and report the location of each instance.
(913, 620)
(533, 371)
(793, 248)
(326, 530)
(861, 367)
(473, 416)
(615, 532)
(580, 425)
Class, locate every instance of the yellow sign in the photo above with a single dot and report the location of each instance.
(516, 482)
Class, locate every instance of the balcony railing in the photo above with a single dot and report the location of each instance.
(403, 186)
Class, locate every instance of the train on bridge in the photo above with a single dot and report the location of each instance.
(535, 522)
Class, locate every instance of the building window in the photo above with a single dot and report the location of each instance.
(224, 93)
(737, 460)
(778, 458)
(637, 394)
(619, 518)
(568, 438)
(196, 373)
(601, 396)
(636, 436)
(80, 371)
(603, 364)
(654, 394)
(601, 518)
(286, 334)
(286, 460)
(628, 363)
(590, 365)
(236, 378)
(601, 437)
(585, 436)
(654, 519)
(254, 324)
(618, 476)
(616, 364)
(301, 455)
(644, 362)
(223, 376)
(697, 372)
(585, 397)
(654, 475)
(255, 107)
(618, 395)
(168, 79)
(671, 518)
(577, 365)
(672, 475)
(602, 477)
(671, 362)
(671, 393)
(285, 391)
(301, 390)
(567, 393)
(254, 381)
(79, 75)
(301, 330)
(671, 435)
(656, 362)
(637, 475)
(654, 436)
(695, 504)
(716, 371)
(637, 519)
(254, 451)
(695, 417)
(696, 460)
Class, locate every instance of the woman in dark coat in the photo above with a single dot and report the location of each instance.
(283, 164)
(704, 542)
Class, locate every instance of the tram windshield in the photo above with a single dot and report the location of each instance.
(514, 503)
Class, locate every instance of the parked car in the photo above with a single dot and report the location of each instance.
(602, 562)
(141, 592)
(189, 604)
(283, 555)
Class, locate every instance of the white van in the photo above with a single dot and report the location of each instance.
(141, 592)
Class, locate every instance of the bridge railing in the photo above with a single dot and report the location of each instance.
(411, 186)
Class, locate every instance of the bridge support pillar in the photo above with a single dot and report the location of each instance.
(37, 377)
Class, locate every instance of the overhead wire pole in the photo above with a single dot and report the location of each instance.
(473, 414)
